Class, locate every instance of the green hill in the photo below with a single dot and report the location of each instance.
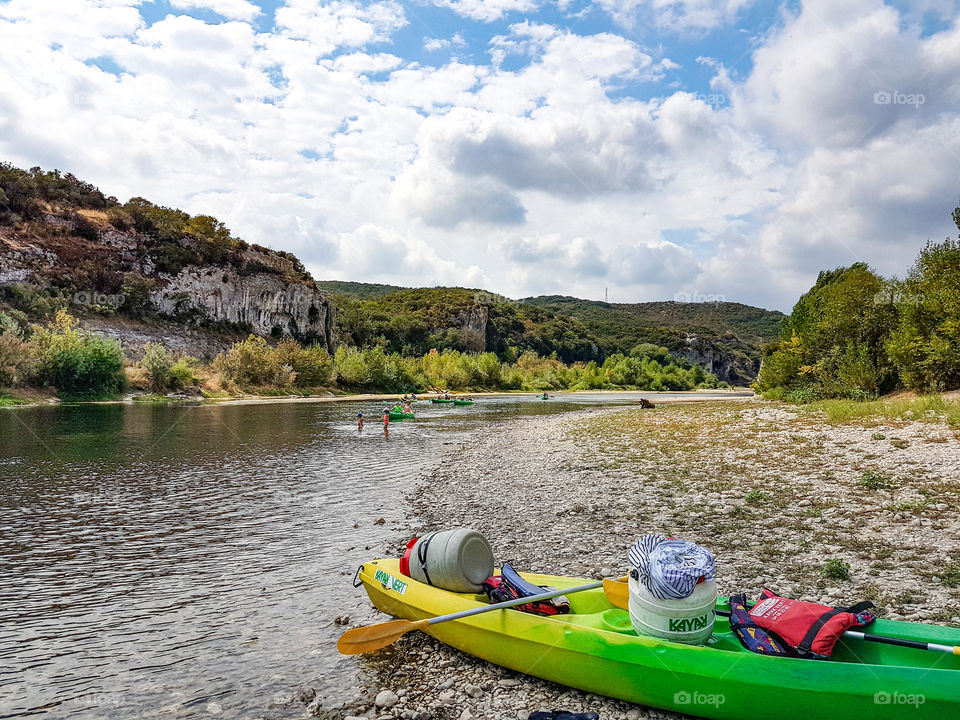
(725, 338)
(626, 324)
(358, 290)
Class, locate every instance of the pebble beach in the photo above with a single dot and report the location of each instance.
(785, 499)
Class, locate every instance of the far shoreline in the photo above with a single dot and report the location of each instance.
(254, 399)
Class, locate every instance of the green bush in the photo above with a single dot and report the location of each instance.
(249, 362)
(836, 569)
(312, 364)
(157, 361)
(136, 291)
(33, 300)
(75, 363)
(16, 360)
(182, 373)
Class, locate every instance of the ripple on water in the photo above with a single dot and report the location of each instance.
(166, 560)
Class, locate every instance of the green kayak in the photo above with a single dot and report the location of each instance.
(401, 416)
(440, 400)
(595, 649)
(463, 402)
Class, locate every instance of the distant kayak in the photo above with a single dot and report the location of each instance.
(463, 402)
(440, 400)
(401, 416)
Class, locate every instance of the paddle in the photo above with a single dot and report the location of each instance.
(618, 593)
(373, 637)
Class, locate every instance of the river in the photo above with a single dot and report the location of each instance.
(188, 561)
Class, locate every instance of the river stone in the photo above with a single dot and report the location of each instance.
(386, 699)
(473, 691)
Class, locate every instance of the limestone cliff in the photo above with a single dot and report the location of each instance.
(118, 276)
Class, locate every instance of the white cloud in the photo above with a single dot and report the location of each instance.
(232, 9)
(433, 44)
(680, 15)
(538, 172)
(328, 26)
(487, 10)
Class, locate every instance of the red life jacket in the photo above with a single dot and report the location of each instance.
(812, 630)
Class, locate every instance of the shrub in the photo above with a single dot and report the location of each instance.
(120, 219)
(249, 362)
(182, 373)
(16, 360)
(157, 361)
(76, 363)
(33, 300)
(312, 364)
(136, 291)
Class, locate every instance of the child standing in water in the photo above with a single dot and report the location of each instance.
(359, 421)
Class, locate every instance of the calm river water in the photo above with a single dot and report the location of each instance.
(177, 562)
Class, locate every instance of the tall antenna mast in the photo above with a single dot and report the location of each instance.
(606, 294)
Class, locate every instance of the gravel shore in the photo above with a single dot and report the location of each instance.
(821, 512)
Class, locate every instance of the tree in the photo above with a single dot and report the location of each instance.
(926, 343)
(834, 341)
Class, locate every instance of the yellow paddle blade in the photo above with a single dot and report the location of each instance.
(617, 592)
(373, 637)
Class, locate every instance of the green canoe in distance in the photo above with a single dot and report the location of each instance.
(463, 402)
(595, 649)
(440, 400)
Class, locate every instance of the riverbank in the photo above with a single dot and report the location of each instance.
(785, 498)
(25, 399)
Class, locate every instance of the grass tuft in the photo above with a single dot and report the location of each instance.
(926, 408)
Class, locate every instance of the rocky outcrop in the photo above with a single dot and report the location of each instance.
(472, 323)
(724, 357)
(187, 282)
(268, 303)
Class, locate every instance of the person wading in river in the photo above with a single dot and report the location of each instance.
(359, 421)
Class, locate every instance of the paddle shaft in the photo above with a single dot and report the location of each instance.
(886, 640)
(512, 603)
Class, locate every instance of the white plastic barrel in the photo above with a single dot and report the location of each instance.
(456, 560)
(689, 620)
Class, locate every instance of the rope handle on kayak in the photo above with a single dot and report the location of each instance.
(357, 582)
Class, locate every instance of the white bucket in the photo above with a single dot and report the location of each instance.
(456, 560)
(689, 620)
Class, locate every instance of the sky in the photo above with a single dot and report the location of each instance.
(695, 150)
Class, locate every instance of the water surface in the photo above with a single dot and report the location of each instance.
(172, 562)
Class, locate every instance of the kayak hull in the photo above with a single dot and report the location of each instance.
(595, 649)
(401, 416)
(463, 402)
(439, 401)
